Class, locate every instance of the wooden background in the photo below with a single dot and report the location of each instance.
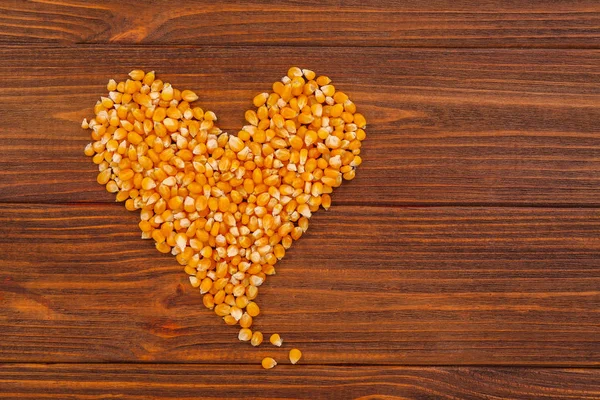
(462, 262)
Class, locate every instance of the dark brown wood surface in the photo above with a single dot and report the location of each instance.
(462, 262)
(173, 381)
(451, 127)
(418, 286)
(390, 23)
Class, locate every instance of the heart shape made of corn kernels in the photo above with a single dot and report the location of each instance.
(226, 206)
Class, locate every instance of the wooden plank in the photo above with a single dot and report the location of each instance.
(446, 127)
(366, 285)
(177, 381)
(412, 23)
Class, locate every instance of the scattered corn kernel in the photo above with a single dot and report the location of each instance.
(189, 96)
(257, 338)
(137, 74)
(245, 334)
(295, 355)
(276, 340)
(252, 309)
(268, 363)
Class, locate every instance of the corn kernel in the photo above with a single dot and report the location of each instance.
(276, 340)
(295, 355)
(245, 334)
(268, 363)
(257, 338)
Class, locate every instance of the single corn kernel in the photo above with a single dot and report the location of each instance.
(149, 78)
(328, 90)
(268, 363)
(295, 355)
(252, 309)
(360, 120)
(245, 334)
(89, 150)
(137, 74)
(308, 74)
(246, 320)
(326, 201)
(112, 85)
(189, 96)
(260, 99)
(276, 340)
(257, 338)
(104, 176)
(293, 72)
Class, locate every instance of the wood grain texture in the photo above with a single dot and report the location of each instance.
(431, 23)
(419, 286)
(152, 381)
(446, 127)
(382, 298)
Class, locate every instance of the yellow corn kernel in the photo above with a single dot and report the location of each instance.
(293, 72)
(189, 96)
(171, 124)
(349, 175)
(251, 117)
(276, 340)
(89, 150)
(269, 269)
(126, 174)
(167, 93)
(104, 176)
(252, 309)
(268, 363)
(297, 88)
(213, 204)
(260, 99)
(223, 309)
(336, 110)
(323, 80)
(245, 334)
(122, 195)
(162, 247)
(340, 97)
(236, 144)
(257, 338)
(360, 134)
(295, 355)
(209, 301)
(137, 74)
(130, 87)
(205, 287)
(241, 301)
(246, 320)
(288, 113)
(308, 74)
(278, 120)
(149, 78)
(360, 120)
(112, 85)
(279, 251)
(326, 201)
(112, 187)
(305, 119)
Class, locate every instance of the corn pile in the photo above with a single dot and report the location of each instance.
(226, 206)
